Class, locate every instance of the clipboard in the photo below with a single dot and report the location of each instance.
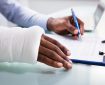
(85, 51)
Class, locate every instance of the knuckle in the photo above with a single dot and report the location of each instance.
(42, 58)
(62, 47)
(82, 23)
(63, 61)
(53, 54)
(42, 41)
(71, 27)
(42, 37)
(55, 42)
(56, 49)
(64, 21)
(53, 63)
(40, 48)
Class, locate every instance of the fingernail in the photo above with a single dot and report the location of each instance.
(75, 32)
(60, 64)
(68, 53)
(69, 65)
(70, 61)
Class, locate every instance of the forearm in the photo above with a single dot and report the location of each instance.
(22, 16)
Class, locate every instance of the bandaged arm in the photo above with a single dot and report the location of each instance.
(20, 45)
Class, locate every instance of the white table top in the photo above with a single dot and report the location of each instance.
(40, 74)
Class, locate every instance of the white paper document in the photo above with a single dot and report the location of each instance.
(86, 49)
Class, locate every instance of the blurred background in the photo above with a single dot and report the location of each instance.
(49, 6)
(52, 6)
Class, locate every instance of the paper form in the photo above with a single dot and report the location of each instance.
(86, 49)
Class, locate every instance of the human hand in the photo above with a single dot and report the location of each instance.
(52, 53)
(65, 25)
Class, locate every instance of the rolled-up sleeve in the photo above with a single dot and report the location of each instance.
(21, 15)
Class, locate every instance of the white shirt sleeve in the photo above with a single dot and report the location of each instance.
(21, 15)
(19, 44)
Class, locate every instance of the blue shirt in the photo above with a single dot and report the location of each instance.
(22, 16)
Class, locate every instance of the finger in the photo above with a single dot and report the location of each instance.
(81, 26)
(70, 25)
(54, 56)
(55, 48)
(63, 48)
(75, 37)
(51, 54)
(48, 61)
(64, 32)
(67, 65)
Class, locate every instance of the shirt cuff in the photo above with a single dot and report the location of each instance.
(41, 21)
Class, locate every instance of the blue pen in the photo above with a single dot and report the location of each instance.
(75, 21)
(88, 62)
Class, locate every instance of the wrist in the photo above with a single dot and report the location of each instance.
(50, 24)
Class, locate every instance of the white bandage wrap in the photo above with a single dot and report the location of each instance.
(20, 44)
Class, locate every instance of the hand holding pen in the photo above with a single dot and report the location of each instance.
(66, 25)
(51, 52)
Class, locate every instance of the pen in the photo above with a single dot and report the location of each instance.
(75, 21)
(88, 62)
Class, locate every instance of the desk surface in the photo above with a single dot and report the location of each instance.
(40, 74)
